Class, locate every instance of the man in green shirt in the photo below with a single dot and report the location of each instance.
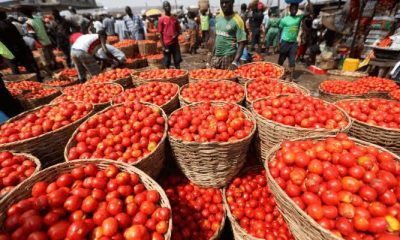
(289, 26)
(230, 38)
(205, 26)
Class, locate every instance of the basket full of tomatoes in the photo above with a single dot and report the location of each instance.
(210, 141)
(335, 187)
(15, 168)
(155, 60)
(38, 97)
(98, 94)
(131, 132)
(61, 83)
(198, 212)
(87, 199)
(163, 94)
(292, 116)
(177, 76)
(375, 120)
(259, 69)
(336, 90)
(395, 94)
(128, 46)
(209, 91)
(378, 87)
(147, 47)
(121, 76)
(261, 87)
(212, 74)
(44, 131)
(260, 221)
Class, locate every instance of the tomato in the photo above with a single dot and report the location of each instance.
(89, 204)
(204, 91)
(37, 236)
(77, 230)
(377, 225)
(58, 231)
(114, 206)
(110, 226)
(136, 232)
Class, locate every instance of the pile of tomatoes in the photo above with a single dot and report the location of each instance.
(126, 133)
(377, 84)
(111, 75)
(8, 71)
(125, 43)
(212, 74)
(145, 42)
(158, 93)
(210, 123)
(59, 83)
(24, 85)
(197, 212)
(14, 168)
(46, 119)
(264, 87)
(349, 189)
(93, 93)
(343, 87)
(395, 94)
(375, 111)
(259, 69)
(301, 111)
(205, 91)
(69, 72)
(161, 74)
(15, 92)
(253, 205)
(112, 39)
(88, 203)
(40, 93)
(256, 58)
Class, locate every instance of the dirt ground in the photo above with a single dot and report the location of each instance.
(302, 75)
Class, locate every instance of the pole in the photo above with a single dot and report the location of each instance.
(353, 42)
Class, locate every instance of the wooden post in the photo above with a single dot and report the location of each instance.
(353, 42)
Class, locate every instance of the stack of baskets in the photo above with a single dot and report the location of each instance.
(147, 47)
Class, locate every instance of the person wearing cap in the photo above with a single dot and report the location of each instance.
(289, 27)
(37, 29)
(83, 53)
(15, 43)
(230, 38)
(119, 27)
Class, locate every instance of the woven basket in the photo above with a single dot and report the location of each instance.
(172, 104)
(331, 97)
(185, 102)
(211, 164)
(51, 174)
(147, 48)
(156, 63)
(37, 169)
(73, 82)
(300, 88)
(137, 63)
(243, 80)
(152, 164)
(129, 51)
(20, 77)
(388, 138)
(376, 94)
(180, 80)
(301, 225)
(37, 102)
(184, 47)
(238, 232)
(270, 133)
(48, 147)
(152, 36)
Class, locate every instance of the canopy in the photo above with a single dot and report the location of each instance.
(153, 12)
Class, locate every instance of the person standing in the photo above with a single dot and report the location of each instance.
(36, 28)
(205, 26)
(15, 43)
(108, 24)
(119, 27)
(169, 29)
(193, 28)
(289, 26)
(272, 33)
(84, 50)
(97, 24)
(134, 25)
(62, 33)
(230, 38)
(255, 21)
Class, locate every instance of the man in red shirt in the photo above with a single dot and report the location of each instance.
(168, 27)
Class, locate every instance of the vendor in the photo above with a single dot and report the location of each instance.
(83, 51)
(106, 61)
(230, 38)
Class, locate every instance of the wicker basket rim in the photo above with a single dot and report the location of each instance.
(186, 73)
(126, 167)
(57, 91)
(71, 139)
(364, 123)
(248, 114)
(339, 95)
(109, 81)
(30, 157)
(295, 85)
(212, 81)
(234, 77)
(258, 116)
(10, 144)
(270, 156)
(71, 82)
(165, 104)
(265, 63)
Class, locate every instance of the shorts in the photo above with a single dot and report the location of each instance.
(288, 50)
